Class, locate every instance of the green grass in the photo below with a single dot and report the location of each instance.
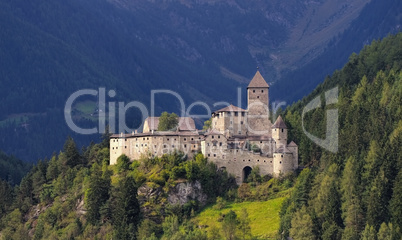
(86, 110)
(264, 216)
(86, 107)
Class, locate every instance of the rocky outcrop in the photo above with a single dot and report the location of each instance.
(186, 191)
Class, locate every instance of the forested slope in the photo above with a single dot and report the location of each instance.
(356, 192)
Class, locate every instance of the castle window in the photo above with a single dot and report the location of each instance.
(262, 91)
(241, 122)
(253, 91)
(125, 140)
(258, 96)
(239, 132)
(114, 140)
(269, 162)
(265, 161)
(282, 129)
(231, 122)
(214, 155)
(147, 138)
(154, 146)
(195, 146)
(112, 147)
(164, 146)
(244, 160)
(212, 136)
(281, 156)
(219, 136)
(175, 139)
(242, 114)
(117, 147)
(185, 139)
(136, 145)
(236, 113)
(228, 113)
(280, 162)
(220, 144)
(142, 145)
(185, 145)
(172, 146)
(208, 144)
(258, 160)
(209, 155)
(168, 139)
(125, 146)
(145, 144)
(249, 160)
(192, 139)
(143, 138)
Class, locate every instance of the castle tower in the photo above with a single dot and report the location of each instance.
(258, 106)
(280, 133)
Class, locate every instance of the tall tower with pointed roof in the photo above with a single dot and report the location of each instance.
(258, 106)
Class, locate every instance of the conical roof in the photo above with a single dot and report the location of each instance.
(279, 123)
(258, 81)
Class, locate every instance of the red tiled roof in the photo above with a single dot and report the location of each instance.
(258, 81)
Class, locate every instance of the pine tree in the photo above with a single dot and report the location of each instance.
(72, 156)
(369, 233)
(229, 225)
(396, 202)
(302, 226)
(377, 206)
(244, 225)
(126, 212)
(351, 206)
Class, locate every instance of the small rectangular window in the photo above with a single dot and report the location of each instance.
(253, 91)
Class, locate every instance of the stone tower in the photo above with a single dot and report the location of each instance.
(280, 133)
(258, 106)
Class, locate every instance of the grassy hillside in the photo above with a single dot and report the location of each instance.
(264, 216)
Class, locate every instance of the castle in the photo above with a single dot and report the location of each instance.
(238, 140)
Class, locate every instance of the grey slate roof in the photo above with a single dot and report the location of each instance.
(258, 81)
(279, 123)
(231, 108)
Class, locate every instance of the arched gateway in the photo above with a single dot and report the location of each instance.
(246, 173)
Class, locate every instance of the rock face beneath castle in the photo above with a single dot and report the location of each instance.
(238, 141)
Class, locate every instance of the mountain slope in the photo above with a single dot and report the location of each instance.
(354, 191)
(201, 50)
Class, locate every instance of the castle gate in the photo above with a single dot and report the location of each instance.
(246, 173)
